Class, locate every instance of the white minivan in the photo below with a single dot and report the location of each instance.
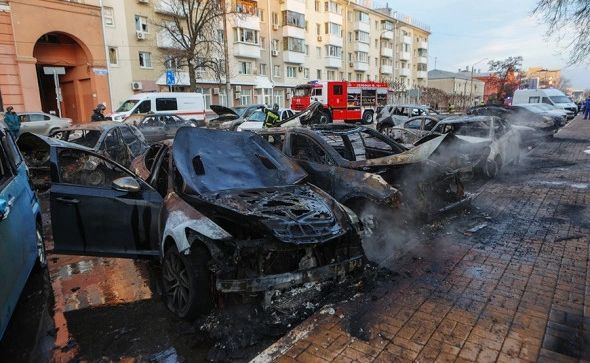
(190, 106)
(549, 96)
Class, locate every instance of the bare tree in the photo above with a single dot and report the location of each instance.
(194, 30)
(504, 76)
(564, 15)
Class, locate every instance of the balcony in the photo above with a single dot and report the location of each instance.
(421, 74)
(245, 21)
(422, 45)
(333, 40)
(423, 60)
(293, 57)
(387, 34)
(386, 69)
(406, 39)
(361, 47)
(334, 18)
(293, 32)
(406, 56)
(359, 25)
(297, 6)
(387, 52)
(333, 62)
(246, 50)
(360, 66)
(405, 72)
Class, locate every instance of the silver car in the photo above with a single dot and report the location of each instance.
(41, 123)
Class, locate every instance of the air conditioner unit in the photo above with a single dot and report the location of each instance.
(275, 53)
(275, 27)
(216, 91)
(319, 38)
(141, 35)
(136, 86)
(238, 88)
(300, 69)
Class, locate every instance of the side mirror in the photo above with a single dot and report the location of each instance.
(126, 184)
(4, 209)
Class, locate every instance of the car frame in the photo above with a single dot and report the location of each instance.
(158, 127)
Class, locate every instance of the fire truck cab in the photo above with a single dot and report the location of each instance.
(346, 101)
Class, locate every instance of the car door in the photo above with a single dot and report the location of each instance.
(17, 228)
(92, 216)
(314, 159)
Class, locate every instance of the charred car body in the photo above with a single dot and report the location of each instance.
(334, 154)
(241, 220)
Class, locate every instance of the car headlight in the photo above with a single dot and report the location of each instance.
(548, 120)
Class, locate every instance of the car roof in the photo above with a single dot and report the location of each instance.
(466, 119)
(99, 126)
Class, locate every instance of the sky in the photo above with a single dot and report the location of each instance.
(464, 32)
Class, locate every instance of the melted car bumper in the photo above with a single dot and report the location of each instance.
(290, 279)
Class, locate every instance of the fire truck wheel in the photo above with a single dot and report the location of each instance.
(367, 118)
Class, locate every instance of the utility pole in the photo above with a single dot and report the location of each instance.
(471, 87)
(228, 96)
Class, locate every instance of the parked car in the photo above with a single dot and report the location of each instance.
(395, 115)
(256, 120)
(333, 152)
(185, 104)
(230, 118)
(158, 127)
(21, 229)
(412, 130)
(550, 96)
(224, 212)
(41, 123)
(477, 143)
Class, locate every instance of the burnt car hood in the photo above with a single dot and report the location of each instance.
(223, 111)
(33, 142)
(415, 155)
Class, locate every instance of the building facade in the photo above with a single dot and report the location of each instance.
(462, 87)
(545, 78)
(38, 47)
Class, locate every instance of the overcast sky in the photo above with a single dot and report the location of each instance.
(466, 31)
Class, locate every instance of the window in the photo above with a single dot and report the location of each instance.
(291, 72)
(275, 19)
(318, 51)
(306, 73)
(306, 49)
(246, 97)
(131, 140)
(261, 15)
(166, 104)
(333, 51)
(319, 74)
(317, 5)
(38, 117)
(338, 90)
(276, 71)
(145, 60)
(141, 24)
(144, 107)
(331, 75)
(291, 18)
(361, 36)
(294, 44)
(318, 29)
(534, 99)
(11, 150)
(274, 45)
(303, 148)
(361, 16)
(333, 7)
(245, 67)
(246, 35)
(262, 42)
(207, 96)
(113, 56)
(362, 57)
(101, 174)
(247, 7)
(262, 69)
(108, 16)
(333, 29)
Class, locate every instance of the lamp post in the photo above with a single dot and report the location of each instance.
(471, 79)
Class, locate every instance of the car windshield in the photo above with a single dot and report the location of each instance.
(88, 138)
(474, 129)
(302, 91)
(127, 106)
(240, 110)
(257, 116)
(560, 99)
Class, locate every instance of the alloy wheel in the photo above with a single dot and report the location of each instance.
(176, 283)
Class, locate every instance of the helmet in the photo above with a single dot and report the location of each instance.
(275, 107)
(101, 107)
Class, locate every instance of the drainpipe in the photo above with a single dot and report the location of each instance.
(228, 94)
(270, 65)
(106, 52)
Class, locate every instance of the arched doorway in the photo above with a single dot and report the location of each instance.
(63, 52)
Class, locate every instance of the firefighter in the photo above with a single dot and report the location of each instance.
(272, 117)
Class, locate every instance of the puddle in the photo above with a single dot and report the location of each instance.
(587, 151)
(568, 184)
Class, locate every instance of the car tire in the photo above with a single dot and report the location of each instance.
(186, 283)
(367, 118)
(41, 262)
(325, 117)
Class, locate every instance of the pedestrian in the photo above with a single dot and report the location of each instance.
(12, 122)
(272, 116)
(587, 109)
(98, 113)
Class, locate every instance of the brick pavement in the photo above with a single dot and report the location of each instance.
(516, 291)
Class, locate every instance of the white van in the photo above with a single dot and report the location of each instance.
(190, 106)
(549, 96)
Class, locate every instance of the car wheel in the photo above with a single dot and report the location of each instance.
(367, 118)
(325, 117)
(185, 280)
(41, 253)
(58, 136)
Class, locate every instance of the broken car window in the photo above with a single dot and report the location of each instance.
(79, 167)
(88, 138)
(305, 149)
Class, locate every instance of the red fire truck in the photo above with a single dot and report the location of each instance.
(347, 101)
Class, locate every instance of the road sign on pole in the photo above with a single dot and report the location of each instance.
(170, 78)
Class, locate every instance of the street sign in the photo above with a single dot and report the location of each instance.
(101, 71)
(170, 78)
(50, 71)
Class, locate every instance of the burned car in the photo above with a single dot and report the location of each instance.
(230, 118)
(236, 219)
(331, 154)
(412, 130)
(160, 126)
(395, 115)
(476, 143)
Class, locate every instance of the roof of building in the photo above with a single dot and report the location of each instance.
(440, 74)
